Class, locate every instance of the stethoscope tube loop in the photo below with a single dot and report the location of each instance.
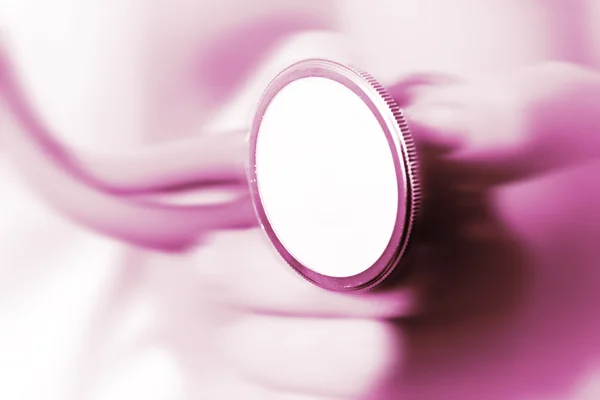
(116, 208)
(116, 194)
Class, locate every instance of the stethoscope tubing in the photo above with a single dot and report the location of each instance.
(82, 189)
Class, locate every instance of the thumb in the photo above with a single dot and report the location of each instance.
(484, 139)
(543, 119)
(436, 130)
(430, 128)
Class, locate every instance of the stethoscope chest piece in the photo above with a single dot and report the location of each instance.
(333, 175)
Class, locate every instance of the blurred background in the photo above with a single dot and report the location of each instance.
(116, 73)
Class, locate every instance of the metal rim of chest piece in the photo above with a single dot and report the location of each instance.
(404, 154)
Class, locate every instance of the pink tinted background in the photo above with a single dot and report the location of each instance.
(98, 79)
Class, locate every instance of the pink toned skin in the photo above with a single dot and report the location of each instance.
(503, 314)
(260, 329)
(507, 346)
(524, 255)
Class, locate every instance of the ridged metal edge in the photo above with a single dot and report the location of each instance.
(410, 160)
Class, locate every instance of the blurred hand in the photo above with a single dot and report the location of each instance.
(512, 216)
(510, 265)
(506, 291)
(265, 333)
(526, 123)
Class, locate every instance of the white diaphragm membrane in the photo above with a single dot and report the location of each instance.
(326, 177)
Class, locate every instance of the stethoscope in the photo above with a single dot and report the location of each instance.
(331, 168)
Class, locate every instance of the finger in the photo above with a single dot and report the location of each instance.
(227, 385)
(436, 129)
(219, 383)
(497, 148)
(497, 166)
(275, 395)
(345, 358)
(242, 270)
(516, 142)
(406, 90)
(430, 102)
(483, 130)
